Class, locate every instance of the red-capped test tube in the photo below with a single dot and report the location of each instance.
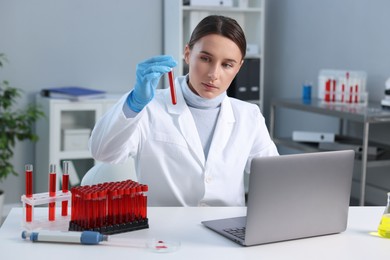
(52, 191)
(172, 86)
(65, 187)
(29, 190)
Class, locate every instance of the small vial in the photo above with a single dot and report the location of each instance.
(306, 92)
(384, 226)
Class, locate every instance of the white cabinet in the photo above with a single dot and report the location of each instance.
(180, 20)
(63, 135)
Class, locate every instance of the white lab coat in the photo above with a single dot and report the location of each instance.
(168, 153)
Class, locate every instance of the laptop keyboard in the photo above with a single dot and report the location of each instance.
(237, 232)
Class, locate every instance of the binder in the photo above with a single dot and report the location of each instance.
(246, 84)
(73, 93)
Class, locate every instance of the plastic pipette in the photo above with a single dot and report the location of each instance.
(85, 237)
(95, 238)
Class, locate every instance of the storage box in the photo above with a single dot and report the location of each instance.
(75, 139)
(315, 137)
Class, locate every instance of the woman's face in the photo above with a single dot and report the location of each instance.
(213, 63)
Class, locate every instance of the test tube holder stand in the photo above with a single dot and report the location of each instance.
(60, 223)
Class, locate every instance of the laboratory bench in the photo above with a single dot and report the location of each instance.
(369, 114)
(183, 224)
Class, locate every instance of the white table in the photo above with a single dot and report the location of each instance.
(198, 242)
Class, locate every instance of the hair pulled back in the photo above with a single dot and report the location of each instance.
(220, 25)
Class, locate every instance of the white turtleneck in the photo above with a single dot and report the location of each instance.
(205, 113)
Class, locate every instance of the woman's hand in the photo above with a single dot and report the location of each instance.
(148, 75)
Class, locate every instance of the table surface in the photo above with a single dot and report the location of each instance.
(182, 224)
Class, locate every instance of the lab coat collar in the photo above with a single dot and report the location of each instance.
(223, 130)
(184, 121)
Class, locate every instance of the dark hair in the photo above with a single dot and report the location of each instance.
(221, 25)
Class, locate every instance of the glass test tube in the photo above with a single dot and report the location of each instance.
(172, 87)
(52, 191)
(65, 187)
(29, 190)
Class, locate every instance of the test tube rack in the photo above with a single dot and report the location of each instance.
(342, 87)
(41, 199)
(109, 208)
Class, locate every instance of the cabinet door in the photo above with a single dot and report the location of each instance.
(64, 135)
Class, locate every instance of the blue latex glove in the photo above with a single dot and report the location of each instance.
(148, 74)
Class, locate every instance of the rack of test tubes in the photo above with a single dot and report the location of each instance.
(109, 208)
(31, 200)
(342, 87)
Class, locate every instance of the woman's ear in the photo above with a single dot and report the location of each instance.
(187, 52)
(239, 66)
(242, 62)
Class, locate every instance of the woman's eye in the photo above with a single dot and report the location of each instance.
(205, 58)
(228, 65)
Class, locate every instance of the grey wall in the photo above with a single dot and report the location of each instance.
(91, 43)
(97, 43)
(305, 36)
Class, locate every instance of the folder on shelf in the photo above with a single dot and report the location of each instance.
(73, 93)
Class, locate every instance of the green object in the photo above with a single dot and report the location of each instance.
(16, 124)
(384, 226)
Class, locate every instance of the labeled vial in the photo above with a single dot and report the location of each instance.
(384, 226)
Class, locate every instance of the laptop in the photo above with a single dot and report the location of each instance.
(292, 197)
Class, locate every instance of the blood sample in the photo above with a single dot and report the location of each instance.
(29, 190)
(172, 87)
(52, 191)
(65, 187)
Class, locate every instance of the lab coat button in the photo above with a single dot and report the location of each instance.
(208, 179)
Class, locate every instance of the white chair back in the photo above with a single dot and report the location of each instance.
(105, 172)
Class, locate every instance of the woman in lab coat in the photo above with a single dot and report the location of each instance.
(193, 153)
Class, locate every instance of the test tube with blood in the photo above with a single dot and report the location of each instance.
(133, 201)
(333, 90)
(120, 205)
(29, 190)
(172, 87)
(75, 201)
(65, 187)
(102, 208)
(350, 94)
(356, 93)
(327, 90)
(144, 199)
(52, 191)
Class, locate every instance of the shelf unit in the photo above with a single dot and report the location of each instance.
(366, 115)
(63, 114)
(180, 20)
